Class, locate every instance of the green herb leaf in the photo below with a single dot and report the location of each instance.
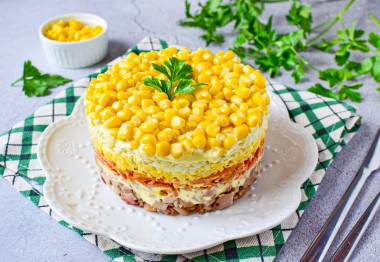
(298, 72)
(354, 66)
(153, 82)
(374, 39)
(36, 84)
(334, 76)
(347, 91)
(184, 86)
(300, 15)
(212, 15)
(271, 51)
(175, 70)
(161, 69)
(325, 45)
(30, 70)
(342, 55)
(375, 71)
(320, 90)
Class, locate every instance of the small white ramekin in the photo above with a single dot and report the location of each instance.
(75, 54)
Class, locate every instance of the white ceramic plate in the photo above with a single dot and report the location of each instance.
(74, 190)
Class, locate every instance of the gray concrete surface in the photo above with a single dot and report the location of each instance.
(28, 234)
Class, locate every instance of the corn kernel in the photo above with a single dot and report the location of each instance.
(229, 141)
(160, 116)
(183, 102)
(199, 141)
(214, 116)
(225, 109)
(217, 69)
(188, 145)
(184, 112)
(113, 122)
(149, 125)
(244, 107)
(215, 88)
(146, 94)
(71, 31)
(133, 108)
(212, 129)
(216, 103)
(164, 124)
(229, 55)
(213, 142)
(175, 104)
(165, 104)
(234, 108)
(152, 110)
(145, 103)
(214, 112)
(220, 137)
(149, 139)
(136, 120)
(117, 106)
(253, 119)
(237, 119)
(149, 150)
(94, 118)
(199, 104)
(106, 100)
(157, 97)
(216, 152)
(134, 100)
(241, 132)
(99, 109)
(176, 150)
(232, 82)
(258, 99)
(248, 69)
(137, 133)
(123, 96)
(227, 92)
(236, 100)
(266, 98)
(163, 148)
(107, 113)
(166, 135)
(203, 66)
(141, 114)
(90, 107)
(191, 124)
(243, 92)
(197, 114)
(177, 122)
(222, 120)
(126, 131)
(170, 113)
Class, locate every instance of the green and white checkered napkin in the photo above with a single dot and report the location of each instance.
(331, 123)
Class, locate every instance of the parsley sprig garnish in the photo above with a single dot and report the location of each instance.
(175, 70)
(256, 38)
(37, 84)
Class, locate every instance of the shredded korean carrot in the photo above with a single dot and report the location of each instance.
(169, 188)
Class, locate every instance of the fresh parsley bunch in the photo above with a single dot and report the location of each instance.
(175, 70)
(37, 84)
(271, 51)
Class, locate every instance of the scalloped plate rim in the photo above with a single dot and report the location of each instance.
(52, 200)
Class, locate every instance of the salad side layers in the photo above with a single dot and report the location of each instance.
(178, 131)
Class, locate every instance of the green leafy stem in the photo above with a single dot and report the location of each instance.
(37, 84)
(175, 70)
(272, 51)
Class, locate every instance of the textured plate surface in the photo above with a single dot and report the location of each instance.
(74, 190)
